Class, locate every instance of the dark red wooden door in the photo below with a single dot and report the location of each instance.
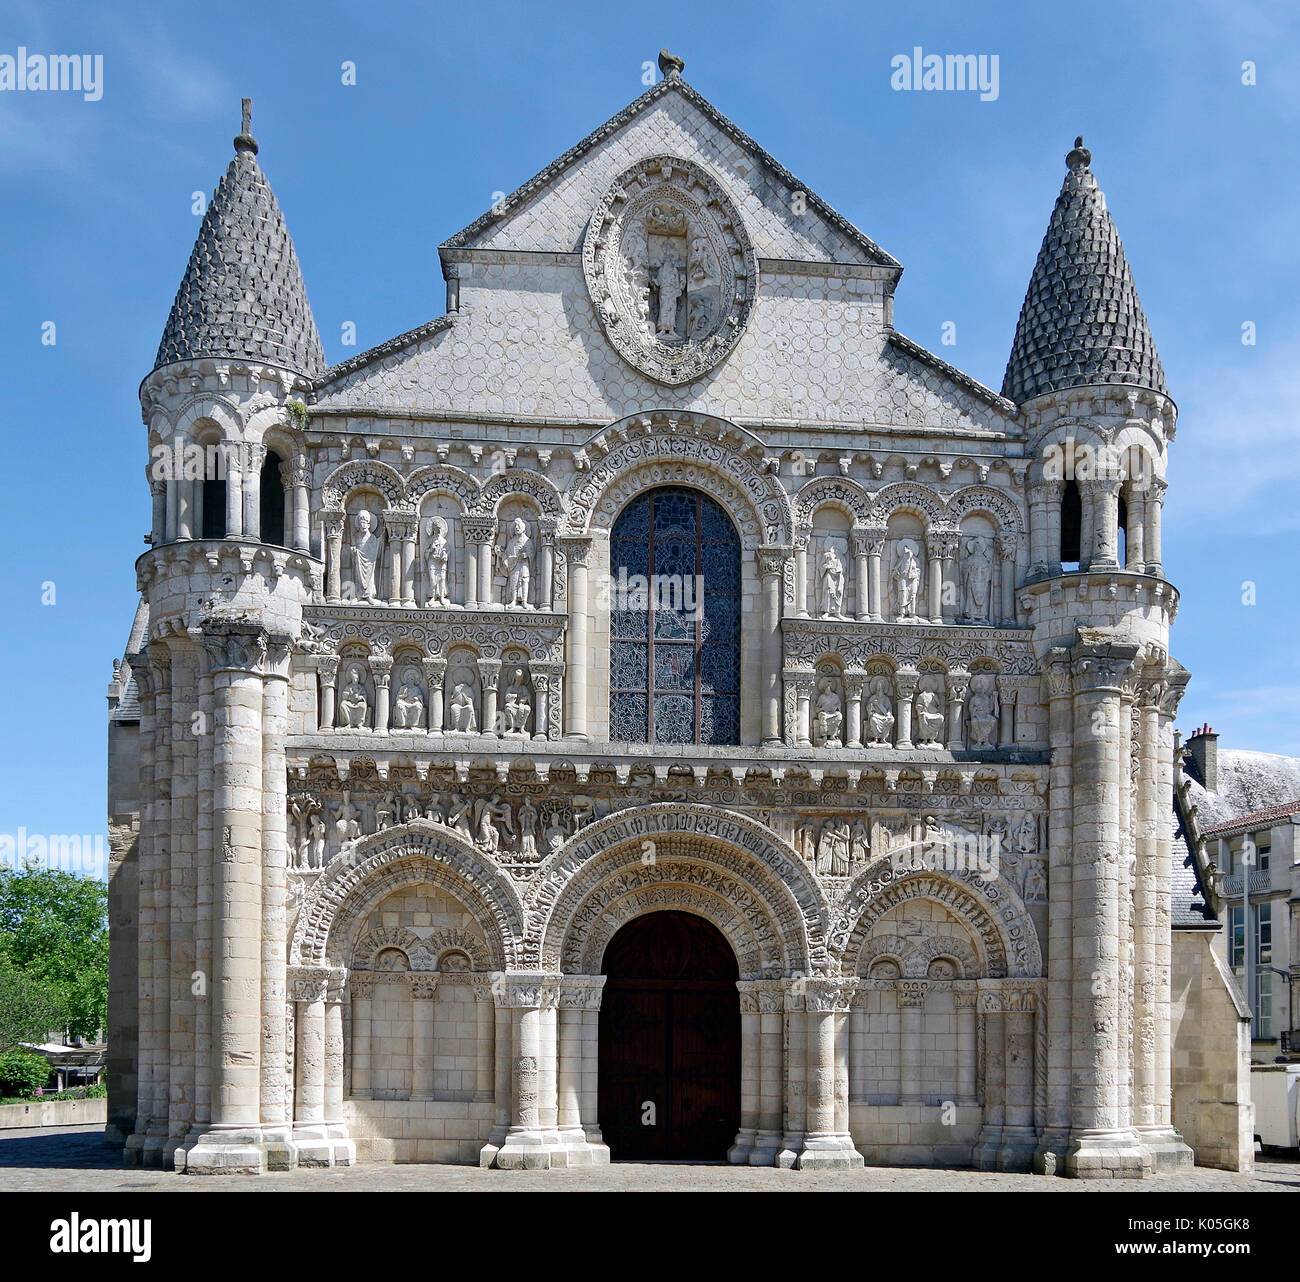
(669, 1040)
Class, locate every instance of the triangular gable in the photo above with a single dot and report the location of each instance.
(549, 213)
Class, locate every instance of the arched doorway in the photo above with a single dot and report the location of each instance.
(669, 1040)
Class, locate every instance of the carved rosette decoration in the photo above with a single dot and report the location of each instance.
(670, 269)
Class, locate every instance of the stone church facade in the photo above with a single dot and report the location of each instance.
(655, 708)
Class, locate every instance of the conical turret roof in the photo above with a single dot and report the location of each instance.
(1081, 322)
(242, 295)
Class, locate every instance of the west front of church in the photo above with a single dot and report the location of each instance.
(654, 709)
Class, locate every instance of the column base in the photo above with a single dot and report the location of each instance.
(236, 1151)
(1049, 1155)
(322, 1145)
(787, 1153)
(1166, 1148)
(767, 1146)
(829, 1152)
(738, 1153)
(1017, 1149)
(529, 1150)
(578, 1149)
(1110, 1154)
(984, 1155)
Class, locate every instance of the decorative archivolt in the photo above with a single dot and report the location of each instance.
(687, 451)
(424, 950)
(517, 481)
(363, 473)
(337, 906)
(833, 491)
(442, 479)
(735, 858)
(908, 497)
(985, 499)
(992, 911)
(204, 408)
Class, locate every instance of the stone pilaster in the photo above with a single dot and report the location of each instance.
(577, 1083)
(825, 1143)
(528, 996)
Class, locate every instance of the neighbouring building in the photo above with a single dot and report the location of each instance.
(653, 709)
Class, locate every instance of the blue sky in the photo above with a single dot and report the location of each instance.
(455, 102)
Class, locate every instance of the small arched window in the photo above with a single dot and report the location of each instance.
(271, 522)
(1121, 533)
(674, 621)
(214, 507)
(1071, 525)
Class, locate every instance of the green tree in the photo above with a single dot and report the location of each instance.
(30, 1008)
(54, 928)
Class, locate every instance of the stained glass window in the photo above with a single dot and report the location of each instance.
(675, 621)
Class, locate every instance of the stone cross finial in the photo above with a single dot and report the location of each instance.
(1079, 156)
(245, 141)
(670, 64)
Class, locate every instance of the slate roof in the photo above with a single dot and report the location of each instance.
(1189, 904)
(128, 703)
(242, 295)
(1081, 322)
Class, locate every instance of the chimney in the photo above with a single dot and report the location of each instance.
(1203, 748)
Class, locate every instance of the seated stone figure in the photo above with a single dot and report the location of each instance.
(354, 703)
(880, 715)
(929, 718)
(408, 707)
(830, 714)
(461, 712)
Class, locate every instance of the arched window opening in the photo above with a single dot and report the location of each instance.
(1121, 533)
(271, 518)
(675, 621)
(214, 507)
(1071, 526)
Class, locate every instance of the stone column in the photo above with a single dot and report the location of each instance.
(237, 651)
(435, 673)
(579, 1012)
(1100, 1147)
(489, 672)
(911, 1012)
(479, 534)
(1044, 545)
(750, 1074)
(546, 528)
(935, 546)
(471, 567)
(577, 552)
(276, 1111)
(424, 992)
(183, 489)
(254, 457)
(862, 574)
(1057, 693)
(801, 539)
(233, 454)
(963, 1000)
(1158, 702)
(993, 1021)
(943, 595)
(1135, 555)
(767, 1138)
(875, 545)
(825, 1144)
(529, 995)
(794, 1036)
(771, 569)
(381, 666)
(541, 683)
(853, 686)
(1154, 507)
(310, 989)
(158, 500)
(344, 1151)
(906, 679)
(361, 985)
(803, 693)
(1016, 1149)
(1008, 549)
(1006, 712)
(327, 673)
(333, 525)
(399, 527)
(298, 483)
(958, 684)
(484, 1039)
(1102, 496)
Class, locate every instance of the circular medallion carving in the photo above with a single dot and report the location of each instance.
(670, 270)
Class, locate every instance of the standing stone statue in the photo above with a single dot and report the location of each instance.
(528, 829)
(976, 576)
(519, 550)
(439, 560)
(669, 282)
(365, 556)
(831, 583)
(907, 582)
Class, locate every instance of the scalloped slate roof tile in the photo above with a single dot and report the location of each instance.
(1081, 322)
(242, 295)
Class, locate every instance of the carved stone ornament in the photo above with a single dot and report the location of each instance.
(670, 269)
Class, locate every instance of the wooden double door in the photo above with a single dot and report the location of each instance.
(669, 1040)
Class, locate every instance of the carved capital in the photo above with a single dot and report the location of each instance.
(361, 984)
(435, 672)
(772, 560)
(577, 551)
(581, 992)
(235, 645)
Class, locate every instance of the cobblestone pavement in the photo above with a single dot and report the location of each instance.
(77, 1160)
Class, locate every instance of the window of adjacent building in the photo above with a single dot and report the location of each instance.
(1264, 1005)
(1262, 917)
(674, 621)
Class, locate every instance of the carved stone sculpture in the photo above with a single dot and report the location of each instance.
(984, 709)
(906, 581)
(528, 829)
(830, 714)
(831, 584)
(408, 707)
(928, 715)
(976, 577)
(365, 556)
(517, 562)
(518, 706)
(439, 562)
(354, 702)
(461, 711)
(880, 715)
